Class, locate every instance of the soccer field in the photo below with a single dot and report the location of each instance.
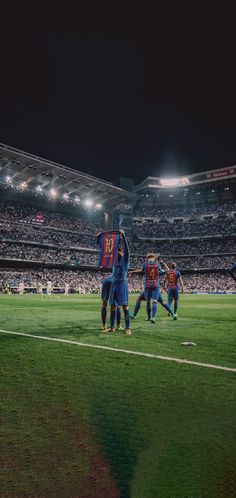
(80, 421)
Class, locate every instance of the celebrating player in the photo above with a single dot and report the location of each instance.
(160, 300)
(119, 295)
(173, 279)
(152, 270)
(105, 293)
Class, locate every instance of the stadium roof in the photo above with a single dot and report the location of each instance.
(33, 172)
(210, 176)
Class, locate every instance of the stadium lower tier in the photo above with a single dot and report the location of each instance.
(90, 282)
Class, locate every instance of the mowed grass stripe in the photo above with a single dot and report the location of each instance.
(119, 350)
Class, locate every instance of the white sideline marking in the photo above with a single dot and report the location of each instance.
(118, 350)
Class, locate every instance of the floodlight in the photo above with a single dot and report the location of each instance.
(23, 185)
(53, 193)
(88, 203)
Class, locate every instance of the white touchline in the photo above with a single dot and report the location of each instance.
(118, 350)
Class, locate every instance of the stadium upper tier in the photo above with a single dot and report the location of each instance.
(27, 172)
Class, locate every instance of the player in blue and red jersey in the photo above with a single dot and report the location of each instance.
(152, 271)
(105, 294)
(119, 295)
(232, 271)
(160, 301)
(173, 280)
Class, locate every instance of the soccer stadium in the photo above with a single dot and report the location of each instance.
(89, 410)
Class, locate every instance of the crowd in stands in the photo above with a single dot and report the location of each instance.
(90, 282)
(35, 253)
(17, 225)
(161, 229)
(224, 261)
(72, 256)
(176, 248)
(16, 212)
(30, 233)
(148, 211)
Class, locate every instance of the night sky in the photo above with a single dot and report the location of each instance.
(121, 91)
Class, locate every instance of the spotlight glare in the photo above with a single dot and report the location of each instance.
(53, 193)
(8, 179)
(88, 203)
(66, 197)
(23, 185)
(39, 188)
(98, 206)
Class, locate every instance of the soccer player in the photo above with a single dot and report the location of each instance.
(173, 279)
(152, 270)
(105, 293)
(160, 300)
(21, 288)
(232, 271)
(67, 289)
(119, 295)
(49, 288)
(40, 289)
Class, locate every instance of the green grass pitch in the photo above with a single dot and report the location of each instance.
(79, 422)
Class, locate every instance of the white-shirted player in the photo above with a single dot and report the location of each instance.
(21, 288)
(40, 289)
(49, 288)
(67, 287)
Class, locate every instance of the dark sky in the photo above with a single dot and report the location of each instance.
(120, 90)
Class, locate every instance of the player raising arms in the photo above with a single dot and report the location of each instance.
(119, 295)
(173, 279)
(152, 270)
(105, 293)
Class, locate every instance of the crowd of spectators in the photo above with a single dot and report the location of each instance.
(180, 247)
(90, 282)
(45, 255)
(195, 262)
(78, 257)
(18, 225)
(181, 228)
(31, 233)
(17, 212)
(197, 210)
